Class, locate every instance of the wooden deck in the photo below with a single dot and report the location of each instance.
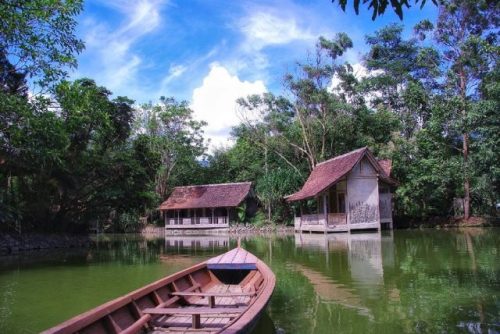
(334, 223)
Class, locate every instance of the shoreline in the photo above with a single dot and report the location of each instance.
(12, 244)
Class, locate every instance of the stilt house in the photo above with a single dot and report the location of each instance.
(348, 192)
(206, 206)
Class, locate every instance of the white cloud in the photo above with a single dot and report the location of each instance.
(114, 62)
(263, 29)
(174, 71)
(215, 102)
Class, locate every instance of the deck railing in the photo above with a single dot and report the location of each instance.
(198, 221)
(313, 219)
(320, 219)
(337, 219)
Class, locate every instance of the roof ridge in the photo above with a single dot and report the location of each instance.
(342, 155)
(214, 184)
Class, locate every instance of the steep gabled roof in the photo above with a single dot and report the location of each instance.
(207, 196)
(329, 172)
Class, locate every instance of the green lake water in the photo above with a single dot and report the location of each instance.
(429, 281)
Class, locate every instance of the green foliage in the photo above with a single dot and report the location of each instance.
(259, 219)
(378, 7)
(176, 140)
(69, 161)
(38, 36)
(242, 213)
(81, 156)
(127, 222)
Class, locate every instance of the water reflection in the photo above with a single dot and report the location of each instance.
(327, 290)
(403, 282)
(364, 252)
(213, 242)
(409, 281)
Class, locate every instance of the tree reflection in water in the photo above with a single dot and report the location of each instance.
(401, 282)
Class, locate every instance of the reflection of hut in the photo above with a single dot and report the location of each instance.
(330, 291)
(206, 206)
(365, 258)
(349, 192)
(196, 242)
(321, 241)
(365, 252)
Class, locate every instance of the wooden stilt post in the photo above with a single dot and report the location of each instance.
(196, 321)
(325, 211)
(301, 215)
(378, 205)
(346, 204)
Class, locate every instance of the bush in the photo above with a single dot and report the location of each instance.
(127, 222)
(259, 219)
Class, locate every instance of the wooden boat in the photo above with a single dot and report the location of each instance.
(226, 294)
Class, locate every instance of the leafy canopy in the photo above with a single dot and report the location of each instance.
(38, 37)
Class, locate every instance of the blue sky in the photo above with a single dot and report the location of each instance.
(212, 52)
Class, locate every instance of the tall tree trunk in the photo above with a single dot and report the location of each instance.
(266, 169)
(465, 144)
(310, 153)
(466, 177)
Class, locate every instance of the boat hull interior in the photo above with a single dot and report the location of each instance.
(200, 299)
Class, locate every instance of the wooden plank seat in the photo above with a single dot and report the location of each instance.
(186, 330)
(214, 294)
(211, 295)
(196, 312)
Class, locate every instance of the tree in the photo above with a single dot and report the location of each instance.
(316, 109)
(11, 81)
(69, 161)
(177, 139)
(402, 75)
(485, 116)
(320, 121)
(37, 37)
(272, 187)
(466, 34)
(379, 6)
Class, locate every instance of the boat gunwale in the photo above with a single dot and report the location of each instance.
(86, 318)
(241, 323)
